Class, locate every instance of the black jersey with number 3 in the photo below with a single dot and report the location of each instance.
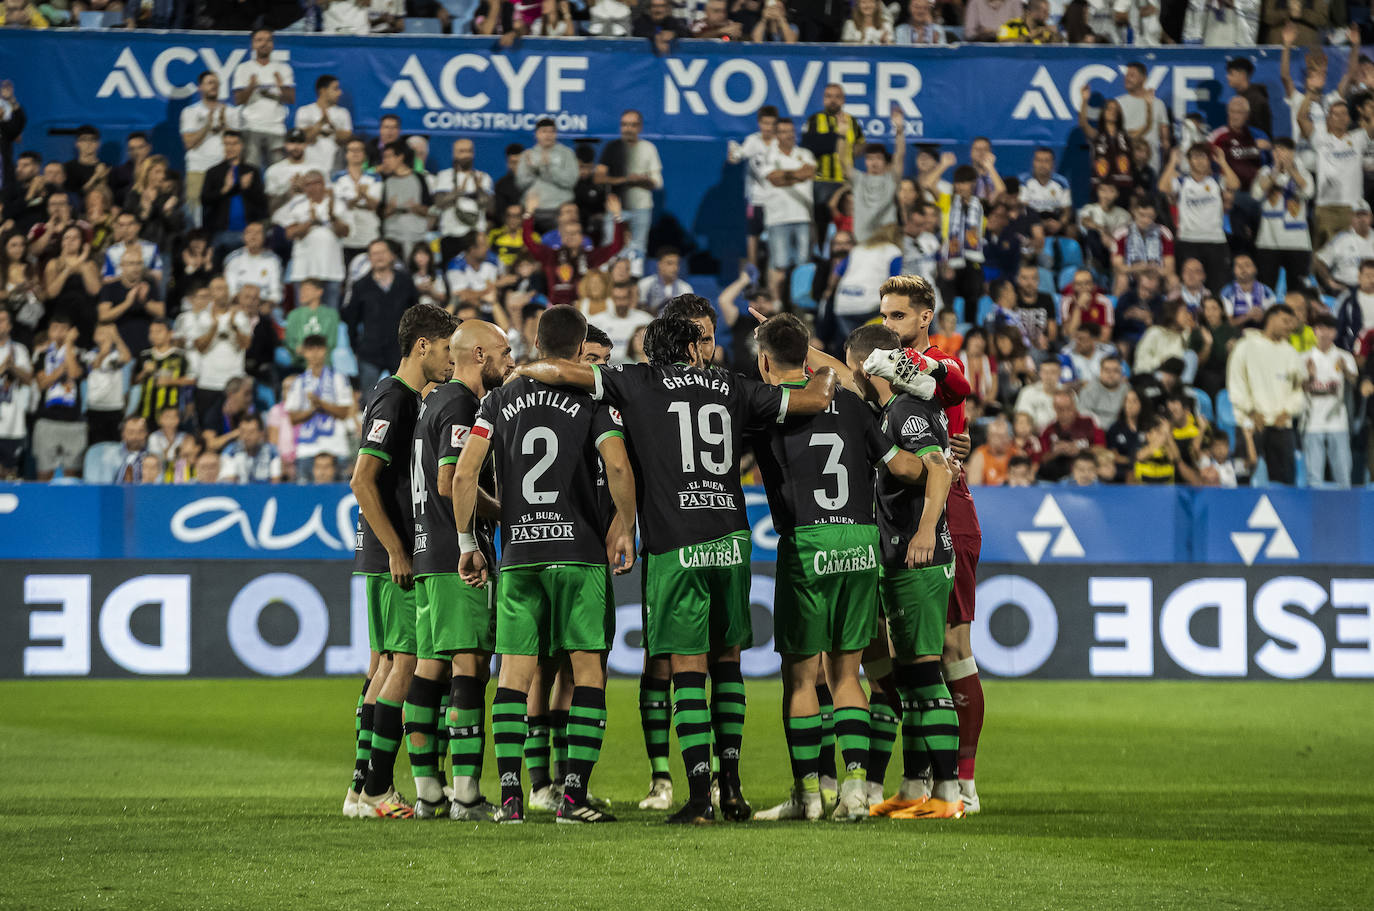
(442, 429)
(818, 470)
(685, 427)
(388, 429)
(544, 440)
(919, 426)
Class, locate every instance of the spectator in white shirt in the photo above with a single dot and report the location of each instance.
(462, 195)
(316, 223)
(1326, 431)
(754, 153)
(474, 278)
(1264, 377)
(327, 126)
(1283, 241)
(320, 403)
(360, 190)
(868, 23)
(250, 458)
(630, 168)
(263, 89)
(621, 321)
(346, 17)
(1201, 209)
(1141, 108)
(1337, 264)
(920, 27)
(1037, 401)
(220, 333)
(666, 283)
(1046, 193)
(202, 129)
(1339, 151)
(254, 264)
(16, 395)
(283, 180)
(789, 169)
(1222, 23)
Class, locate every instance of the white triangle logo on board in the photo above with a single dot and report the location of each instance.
(1264, 519)
(1050, 518)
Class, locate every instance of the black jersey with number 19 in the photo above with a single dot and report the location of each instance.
(441, 431)
(818, 470)
(544, 439)
(919, 426)
(685, 426)
(388, 429)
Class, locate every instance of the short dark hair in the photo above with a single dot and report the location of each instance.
(562, 330)
(785, 339)
(138, 134)
(1284, 142)
(314, 341)
(159, 321)
(33, 155)
(1138, 66)
(596, 337)
(514, 148)
(877, 148)
(398, 148)
(1275, 310)
(545, 122)
(234, 133)
(1039, 149)
(667, 338)
(87, 130)
(669, 250)
(1143, 200)
(204, 75)
(424, 321)
(965, 173)
(913, 287)
(1243, 64)
(314, 283)
(252, 417)
(1085, 456)
(864, 340)
(395, 117)
(767, 110)
(324, 82)
(1018, 461)
(689, 307)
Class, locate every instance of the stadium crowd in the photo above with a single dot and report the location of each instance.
(1201, 319)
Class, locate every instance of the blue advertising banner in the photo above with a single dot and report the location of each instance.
(1026, 526)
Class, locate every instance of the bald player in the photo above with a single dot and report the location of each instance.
(455, 624)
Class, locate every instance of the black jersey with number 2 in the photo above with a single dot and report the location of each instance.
(445, 423)
(544, 440)
(388, 429)
(919, 426)
(818, 469)
(685, 427)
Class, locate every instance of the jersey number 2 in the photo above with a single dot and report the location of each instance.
(527, 447)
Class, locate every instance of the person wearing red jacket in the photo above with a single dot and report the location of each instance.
(565, 264)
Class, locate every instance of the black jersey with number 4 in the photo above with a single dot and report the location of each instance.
(388, 429)
(685, 427)
(544, 440)
(919, 426)
(818, 469)
(441, 431)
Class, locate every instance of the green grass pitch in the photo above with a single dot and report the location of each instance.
(227, 794)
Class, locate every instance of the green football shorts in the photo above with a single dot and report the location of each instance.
(451, 616)
(827, 590)
(916, 602)
(542, 610)
(697, 597)
(390, 615)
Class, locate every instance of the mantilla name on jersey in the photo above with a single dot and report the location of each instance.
(548, 397)
(541, 526)
(849, 560)
(715, 553)
(377, 432)
(458, 435)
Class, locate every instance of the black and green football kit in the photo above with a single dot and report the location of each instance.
(551, 590)
(818, 474)
(388, 431)
(685, 429)
(450, 615)
(915, 601)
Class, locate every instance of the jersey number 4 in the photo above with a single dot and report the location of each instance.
(713, 431)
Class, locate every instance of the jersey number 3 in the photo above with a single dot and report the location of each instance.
(833, 468)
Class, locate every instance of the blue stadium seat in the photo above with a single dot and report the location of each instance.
(1065, 277)
(1299, 468)
(800, 285)
(1204, 404)
(1225, 416)
(98, 19)
(100, 463)
(1070, 253)
(461, 10)
(986, 308)
(343, 359)
(417, 26)
(1047, 282)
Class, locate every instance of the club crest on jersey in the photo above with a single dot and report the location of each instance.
(849, 560)
(377, 432)
(458, 436)
(915, 426)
